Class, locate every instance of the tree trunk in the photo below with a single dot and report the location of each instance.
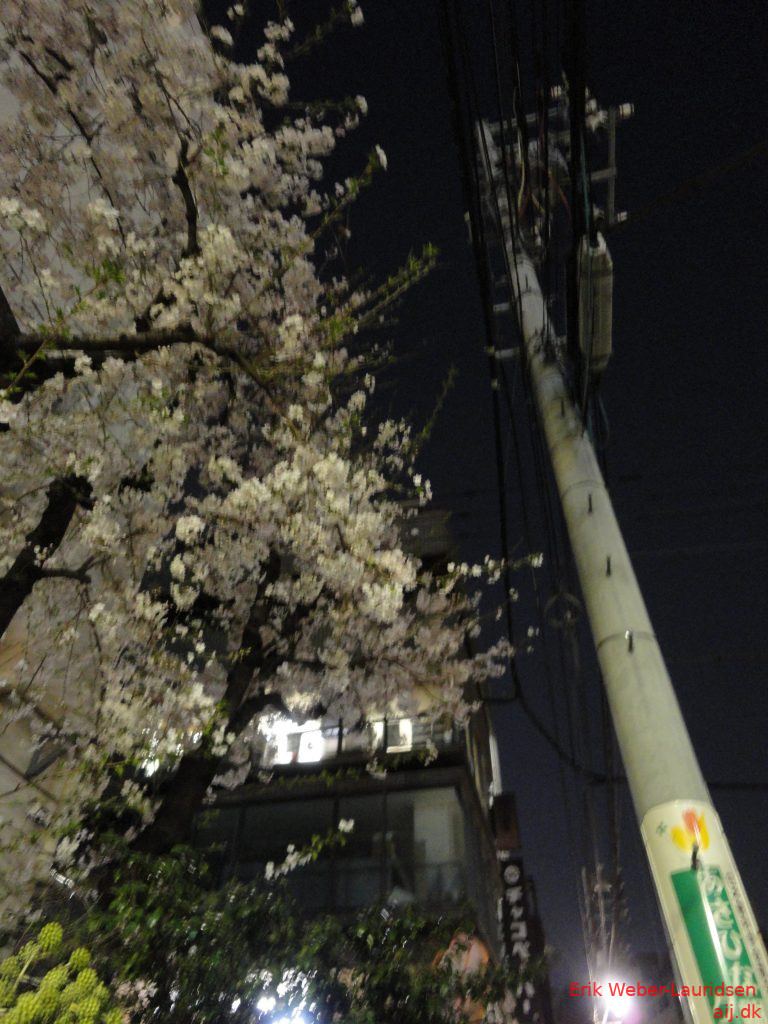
(183, 799)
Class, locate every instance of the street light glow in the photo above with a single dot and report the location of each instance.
(616, 1003)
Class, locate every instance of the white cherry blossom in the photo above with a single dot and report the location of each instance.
(230, 543)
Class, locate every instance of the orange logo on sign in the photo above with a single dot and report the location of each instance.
(693, 834)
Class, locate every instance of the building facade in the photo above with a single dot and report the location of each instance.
(421, 833)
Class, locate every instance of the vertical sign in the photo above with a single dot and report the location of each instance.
(522, 938)
(720, 955)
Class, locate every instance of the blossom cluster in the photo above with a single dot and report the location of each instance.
(238, 512)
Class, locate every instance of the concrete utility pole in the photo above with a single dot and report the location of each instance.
(710, 925)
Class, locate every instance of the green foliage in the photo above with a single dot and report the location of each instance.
(106, 271)
(67, 993)
(398, 972)
(183, 950)
(178, 947)
(194, 946)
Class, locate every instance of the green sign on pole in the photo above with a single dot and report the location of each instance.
(720, 956)
(718, 945)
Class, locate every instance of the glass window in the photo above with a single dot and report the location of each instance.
(438, 847)
(400, 848)
(269, 828)
(360, 864)
(405, 847)
(266, 832)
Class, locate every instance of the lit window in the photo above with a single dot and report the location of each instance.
(289, 741)
(311, 747)
(400, 736)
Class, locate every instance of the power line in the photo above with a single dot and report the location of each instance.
(697, 182)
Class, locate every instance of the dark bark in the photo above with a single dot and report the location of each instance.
(175, 819)
(120, 344)
(9, 332)
(251, 707)
(186, 790)
(181, 181)
(185, 793)
(64, 496)
(58, 354)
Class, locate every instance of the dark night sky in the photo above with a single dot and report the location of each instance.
(684, 394)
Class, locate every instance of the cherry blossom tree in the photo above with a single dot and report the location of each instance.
(200, 524)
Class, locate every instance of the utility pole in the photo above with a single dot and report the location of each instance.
(719, 954)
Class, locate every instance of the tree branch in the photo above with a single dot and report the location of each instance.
(65, 574)
(253, 706)
(181, 180)
(147, 341)
(59, 351)
(64, 496)
(52, 352)
(9, 332)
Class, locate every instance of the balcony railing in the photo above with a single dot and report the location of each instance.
(286, 742)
